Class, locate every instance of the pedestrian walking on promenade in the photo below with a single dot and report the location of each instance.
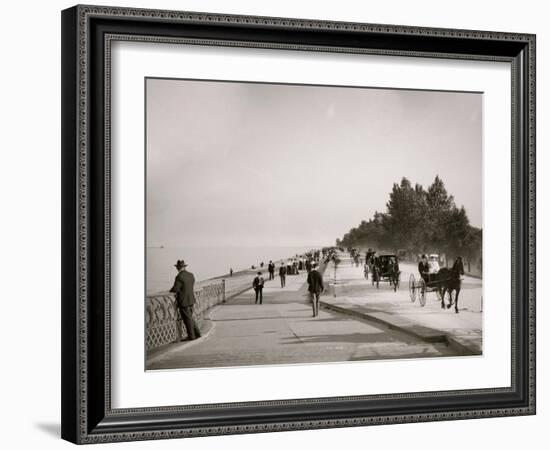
(258, 285)
(271, 270)
(282, 275)
(315, 287)
(184, 289)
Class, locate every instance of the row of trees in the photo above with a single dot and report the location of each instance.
(419, 221)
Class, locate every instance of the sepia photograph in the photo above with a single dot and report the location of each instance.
(300, 224)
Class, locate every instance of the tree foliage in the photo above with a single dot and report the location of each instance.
(418, 220)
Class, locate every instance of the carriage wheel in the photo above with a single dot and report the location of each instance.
(421, 291)
(412, 288)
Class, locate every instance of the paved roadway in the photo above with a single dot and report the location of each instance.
(395, 309)
(282, 330)
(351, 283)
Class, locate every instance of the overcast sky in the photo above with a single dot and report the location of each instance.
(242, 164)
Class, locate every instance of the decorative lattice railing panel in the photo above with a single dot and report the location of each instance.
(162, 318)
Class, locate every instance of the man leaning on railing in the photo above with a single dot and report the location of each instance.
(184, 286)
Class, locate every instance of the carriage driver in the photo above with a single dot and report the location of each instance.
(424, 268)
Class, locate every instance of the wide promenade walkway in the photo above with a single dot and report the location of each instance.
(282, 330)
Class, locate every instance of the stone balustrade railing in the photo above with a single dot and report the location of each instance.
(162, 318)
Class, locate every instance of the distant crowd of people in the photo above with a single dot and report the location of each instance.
(292, 266)
(308, 262)
(184, 283)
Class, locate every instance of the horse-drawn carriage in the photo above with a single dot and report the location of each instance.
(441, 282)
(385, 268)
(429, 280)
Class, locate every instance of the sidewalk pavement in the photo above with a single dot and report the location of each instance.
(353, 294)
(283, 331)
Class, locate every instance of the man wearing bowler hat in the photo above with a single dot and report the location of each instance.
(184, 286)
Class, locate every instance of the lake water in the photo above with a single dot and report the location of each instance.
(208, 262)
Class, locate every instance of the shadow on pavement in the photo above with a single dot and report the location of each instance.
(355, 338)
(237, 319)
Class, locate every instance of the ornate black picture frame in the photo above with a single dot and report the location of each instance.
(87, 34)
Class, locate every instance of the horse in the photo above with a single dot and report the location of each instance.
(392, 272)
(394, 276)
(375, 271)
(450, 280)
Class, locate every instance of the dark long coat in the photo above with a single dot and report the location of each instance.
(315, 282)
(184, 287)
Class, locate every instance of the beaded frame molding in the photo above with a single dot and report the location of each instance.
(87, 35)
